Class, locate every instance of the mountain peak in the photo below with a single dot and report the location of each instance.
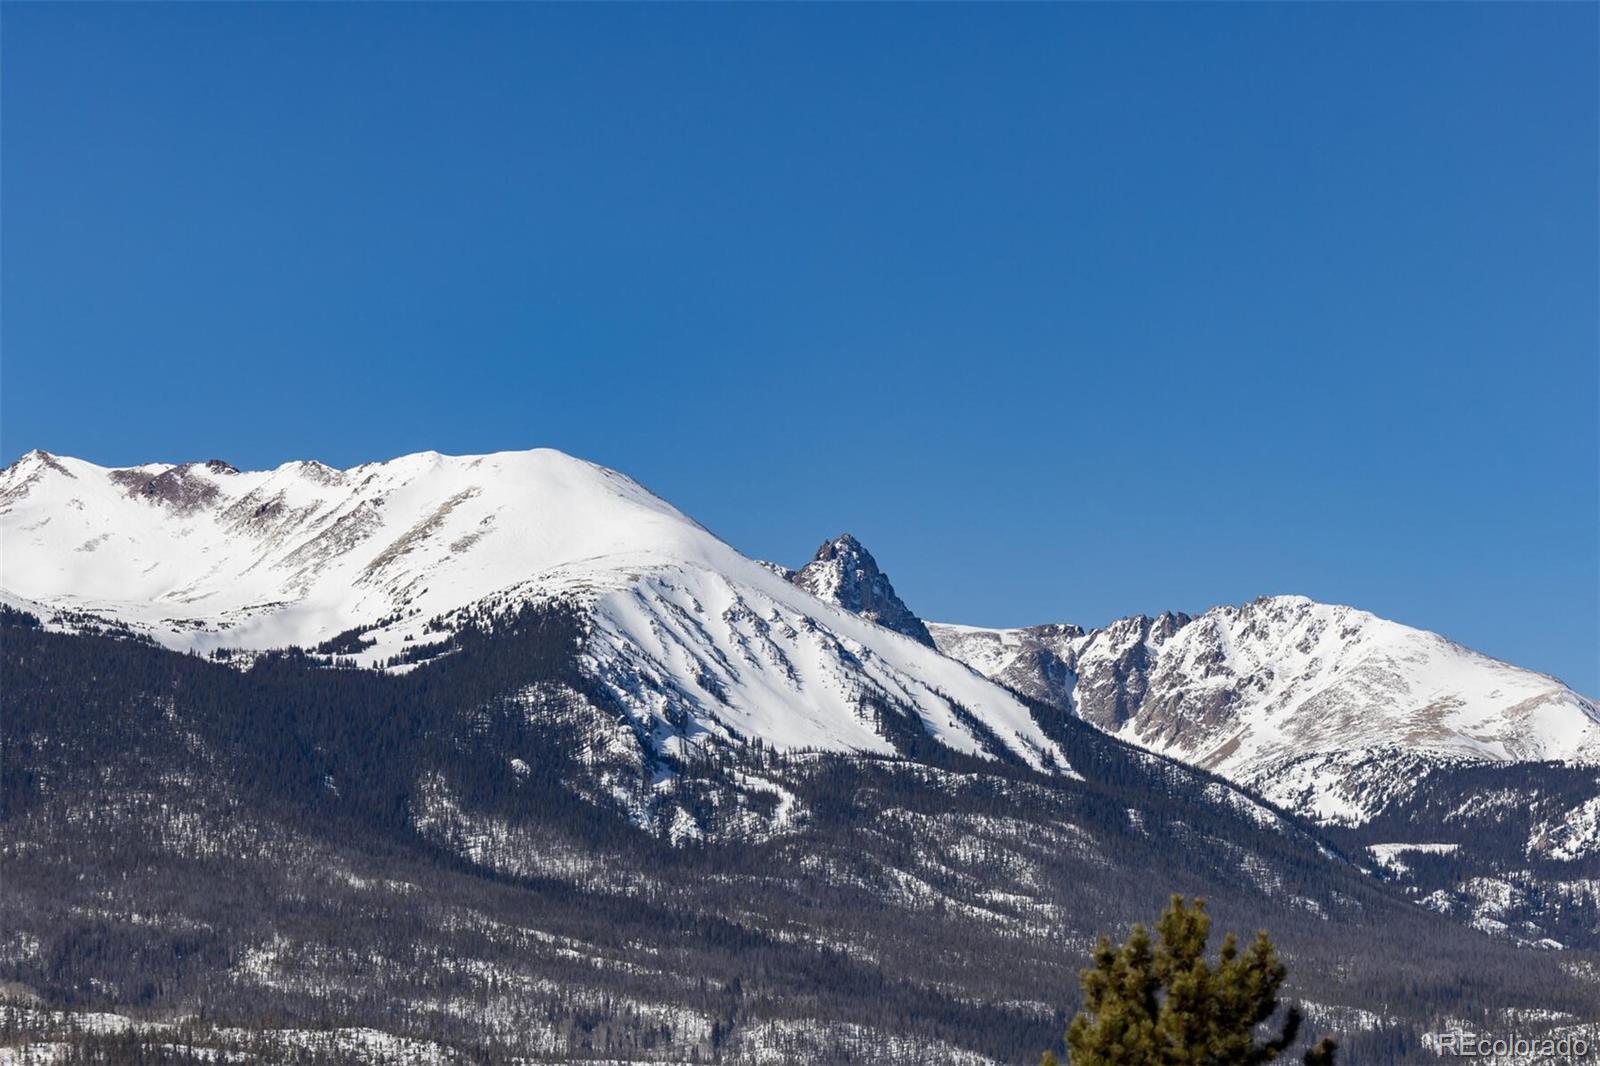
(844, 573)
(1284, 683)
(688, 636)
(36, 460)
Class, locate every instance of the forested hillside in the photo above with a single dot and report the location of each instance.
(474, 855)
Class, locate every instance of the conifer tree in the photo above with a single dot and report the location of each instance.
(1165, 1004)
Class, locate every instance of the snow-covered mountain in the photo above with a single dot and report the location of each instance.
(1301, 701)
(1289, 696)
(1326, 710)
(694, 659)
(1297, 700)
(694, 640)
(844, 573)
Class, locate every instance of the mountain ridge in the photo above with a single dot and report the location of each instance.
(605, 772)
(1237, 688)
(698, 642)
(378, 559)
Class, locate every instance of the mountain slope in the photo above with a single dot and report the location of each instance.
(1462, 779)
(448, 855)
(380, 562)
(1249, 691)
(691, 652)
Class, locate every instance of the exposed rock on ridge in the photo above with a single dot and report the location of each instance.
(845, 574)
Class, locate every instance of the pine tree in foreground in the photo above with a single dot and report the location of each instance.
(1163, 1004)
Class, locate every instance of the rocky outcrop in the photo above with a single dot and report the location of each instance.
(845, 574)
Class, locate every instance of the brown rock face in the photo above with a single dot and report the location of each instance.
(1115, 664)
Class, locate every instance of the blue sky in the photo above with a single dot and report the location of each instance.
(1068, 312)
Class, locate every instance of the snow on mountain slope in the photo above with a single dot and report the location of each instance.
(1102, 674)
(1035, 660)
(1288, 696)
(1284, 676)
(692, 638)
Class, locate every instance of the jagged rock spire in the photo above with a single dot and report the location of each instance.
(844, 573)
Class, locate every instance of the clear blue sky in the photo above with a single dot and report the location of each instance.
(1068, 312)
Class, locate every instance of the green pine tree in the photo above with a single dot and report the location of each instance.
(1164, 1004)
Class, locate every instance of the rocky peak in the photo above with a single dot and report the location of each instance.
(38, 460)
(1115, 665)
(844, 573)
(22, 475)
